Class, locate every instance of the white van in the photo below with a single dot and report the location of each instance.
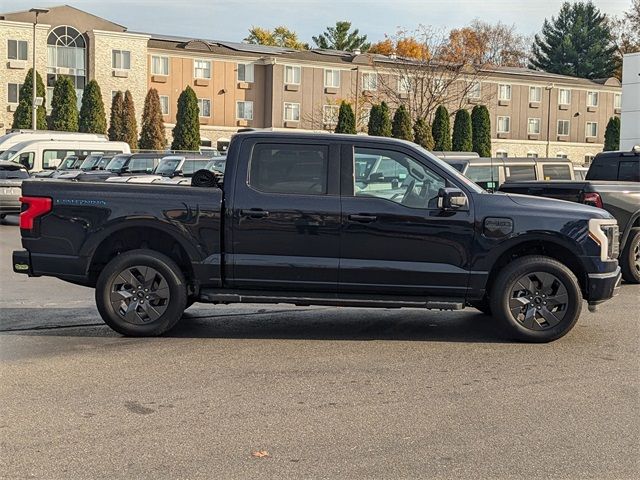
(38, 155)
(18, 136)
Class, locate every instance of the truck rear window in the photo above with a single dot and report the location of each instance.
(629, 171)
(556, 172)
(289, 169)
(520, 173)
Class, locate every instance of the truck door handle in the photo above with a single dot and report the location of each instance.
(254, 213)
(362, 218)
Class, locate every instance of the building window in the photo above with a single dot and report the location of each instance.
(532, 154)
(535, 94)
(13, 93)
(504, 91)
(17, 49)
(204, 105)
(244, 110)
(202, 69)
(564, 96)
(592, 129)
(330, 114)
(292, 75)
(502, 154)
(588, 158)
(292, 112)
(332, 78)
(164, 104)
(475, 90)
(592, 99)
(159, 65)
(66, 55)
(504, 125)
(404, 84)
(563, 127)
(533, 126)
(369, 81)
(617, 101)
(121, 59)
(561, 155)
(245, 72)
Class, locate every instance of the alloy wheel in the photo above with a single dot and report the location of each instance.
(538, 301)
(636, 257)
(139, 294)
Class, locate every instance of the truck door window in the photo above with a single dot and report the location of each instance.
(141, 165)
(556, 172)
(289, 169)
(485, 176)
(629, 171)
(26, 159)
(520, 172)
(396, 177)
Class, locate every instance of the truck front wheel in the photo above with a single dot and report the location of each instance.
(630, 257)
(141, 293)
(536, 298)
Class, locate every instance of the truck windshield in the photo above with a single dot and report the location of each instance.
(167, 166)
(218, 165)
(69, 163)
(117, 162)
(8, 155)
(91, 162)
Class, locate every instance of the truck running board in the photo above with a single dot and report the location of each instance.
(338, 300)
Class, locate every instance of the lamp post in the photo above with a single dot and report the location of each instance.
(548, 88)
(34, 106)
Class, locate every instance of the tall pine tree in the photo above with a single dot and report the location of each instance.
(116, 121)
(441, 130)
(130, 122)
(64, 106)
(186, 133)
(422, 134)
(22, 117)
(402, 124)
(92, 116)
(578, 42)
(462, 134)
(346, 119)
(612, 135)
(152, 135)
(481, 130)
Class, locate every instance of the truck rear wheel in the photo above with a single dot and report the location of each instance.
(141, 293)
(630, 257)
(536, 299)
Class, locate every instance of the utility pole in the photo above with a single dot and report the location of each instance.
(34, 107)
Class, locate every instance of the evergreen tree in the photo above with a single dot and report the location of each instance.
(402, 124)
(130, 123)
(612, 135)
(341, 38)
(22, 116)
(578, 42)
(441, 130)
(92, 116)
(186, 133)
(481, 130)
(116, 121)
(64, 106)
(462, 133)
(422, 134)
(346, 119)
(385, 120)
(152, 135)
(373, 128)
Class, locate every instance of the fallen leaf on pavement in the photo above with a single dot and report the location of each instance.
(260, 454)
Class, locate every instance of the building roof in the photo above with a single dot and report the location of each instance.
(66, 15)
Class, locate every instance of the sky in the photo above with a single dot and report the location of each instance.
(230, 19)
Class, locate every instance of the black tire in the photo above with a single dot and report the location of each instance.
(141, 293)
(536, 299)
(630, 257)
(483, 305)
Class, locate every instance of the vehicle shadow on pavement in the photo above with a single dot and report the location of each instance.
(297, 324)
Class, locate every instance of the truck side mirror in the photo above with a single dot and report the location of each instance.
(451, 199)
(24, 161)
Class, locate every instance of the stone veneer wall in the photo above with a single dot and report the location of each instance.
(101, 44)
(576, 152)
(19, 31)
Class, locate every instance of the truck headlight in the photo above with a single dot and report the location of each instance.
(605, 233)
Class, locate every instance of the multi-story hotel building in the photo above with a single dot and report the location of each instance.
(238, 85)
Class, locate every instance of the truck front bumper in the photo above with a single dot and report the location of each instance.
(602, 286)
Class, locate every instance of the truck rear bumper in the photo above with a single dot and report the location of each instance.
(603, 286)
(66, 267)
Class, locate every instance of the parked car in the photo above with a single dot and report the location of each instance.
(290, 226)
(623, 166)
(38, 155)
(11, 177)
(490, 173)
(120, 164)
(69, 163)
(18, 136)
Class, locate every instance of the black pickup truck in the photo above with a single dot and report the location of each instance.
(321, 219)
(612, 183)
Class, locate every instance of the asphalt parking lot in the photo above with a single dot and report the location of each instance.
(325, 392)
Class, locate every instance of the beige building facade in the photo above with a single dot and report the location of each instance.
(240, 86)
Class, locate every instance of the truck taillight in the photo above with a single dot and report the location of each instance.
(592, 199)
(36, 207)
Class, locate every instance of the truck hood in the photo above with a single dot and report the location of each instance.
(552, 205)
